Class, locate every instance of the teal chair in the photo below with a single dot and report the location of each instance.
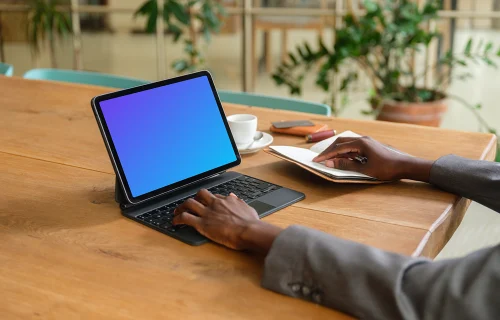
(6, 69)
(255, 100)
(84, 77)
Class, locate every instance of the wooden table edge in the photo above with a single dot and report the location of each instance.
(451, 218)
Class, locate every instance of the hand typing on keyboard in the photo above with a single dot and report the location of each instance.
(227, 220)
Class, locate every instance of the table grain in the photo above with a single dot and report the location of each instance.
(67, 252)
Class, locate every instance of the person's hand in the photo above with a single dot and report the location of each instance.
(226, 220)
(382, 163)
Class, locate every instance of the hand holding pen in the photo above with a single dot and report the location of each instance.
(367, 156)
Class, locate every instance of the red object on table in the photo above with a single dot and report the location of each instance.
(319, 136)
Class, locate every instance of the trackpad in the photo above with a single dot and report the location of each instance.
(281, 197)
(261, 207)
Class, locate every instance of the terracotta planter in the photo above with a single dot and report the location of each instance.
(425, 113)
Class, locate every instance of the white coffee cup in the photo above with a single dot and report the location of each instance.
(243, 127)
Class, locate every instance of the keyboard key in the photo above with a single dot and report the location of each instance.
(245, 188)
(166, 225)
(263, 186)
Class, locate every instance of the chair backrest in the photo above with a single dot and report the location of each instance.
(6, 69)
(255, 100)
(84, 77)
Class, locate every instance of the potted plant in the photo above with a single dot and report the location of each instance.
(382, 43)
(45, 19)
(185, 20)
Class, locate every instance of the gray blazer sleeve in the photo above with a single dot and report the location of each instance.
(472, 179)
(373, 284)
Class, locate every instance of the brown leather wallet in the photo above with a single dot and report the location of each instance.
(301, 131)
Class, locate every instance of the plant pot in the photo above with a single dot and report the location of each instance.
(424, 113)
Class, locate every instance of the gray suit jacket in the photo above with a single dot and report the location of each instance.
(369, 283)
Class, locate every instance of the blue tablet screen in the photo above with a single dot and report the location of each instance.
(168, 134)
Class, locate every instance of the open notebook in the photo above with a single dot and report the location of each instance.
(303, 158)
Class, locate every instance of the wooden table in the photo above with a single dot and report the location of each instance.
(66, 251)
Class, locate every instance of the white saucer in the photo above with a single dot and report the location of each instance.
(255, 146)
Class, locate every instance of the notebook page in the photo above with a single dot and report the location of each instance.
(305, 156)
(322, 145)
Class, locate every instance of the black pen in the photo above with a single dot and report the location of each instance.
(362, 160)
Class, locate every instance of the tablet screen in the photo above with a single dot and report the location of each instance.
(167, 134)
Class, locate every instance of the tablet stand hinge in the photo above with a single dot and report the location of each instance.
(121, 199)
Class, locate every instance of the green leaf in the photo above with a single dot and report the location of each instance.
(430, 9)
(278, 79)
(166, 14)
(151, 23)
(308, 49)
(424, 95)
(303, 54)
(294, 60)
(210, 18)
(177, 36)
(352, 76)
(189, 48)
(468, 48)
(150, 10)
(489, 62)
(322, 80)
(370, 6)
(324, 50)
(147, 8)
(180, 65)
(178, 11)
(488, 48)
(478, 106)
(295, 90)
(176, 30)
(206, 34)
(344, 100)
(61, 24)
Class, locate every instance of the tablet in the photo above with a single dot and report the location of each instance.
(165, 135)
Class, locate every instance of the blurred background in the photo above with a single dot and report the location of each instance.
(242, 43)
